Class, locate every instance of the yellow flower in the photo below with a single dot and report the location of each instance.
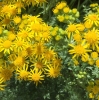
(6, 46)
(19, 61)
(6, 73)
(95, 89)
(55, 11)
(38, 63)
(5, 9)
(20, 44)
(77, 37)
(22, 72)
(79, 50)
(46, 36)
(24, 34)
(17, 19)
(92, 38)
(94, 5)
(92, 18)
(60, 5)
(61, 18)
(66, 9)
(94, 55)
(36, 76)
(71, 29)
(49, 54)
(53, 71)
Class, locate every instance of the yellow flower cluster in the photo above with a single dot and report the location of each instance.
(93, 89)
(84, 39)
(25, 48)
(64, 13)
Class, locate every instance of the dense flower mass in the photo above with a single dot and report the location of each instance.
(25, 44)
(32, 51)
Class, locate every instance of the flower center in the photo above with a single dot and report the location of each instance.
(7, 44)
(71, 28)
(79, 49)
(23, 74)
(91, 37)
(35, 77)
(93, 17)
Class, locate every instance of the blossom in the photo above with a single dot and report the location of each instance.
(23, 72)
(66, 9)
(39, 63)
(94, 55)
(6, 73)
(92, 18)
(49, 54)
(20, 44)
(53, 71)
(79, 49)
(36, 76)
(17, 19)
(6, 46)
(19, 61)
(61, 18)
(71, 29)
(92, 38)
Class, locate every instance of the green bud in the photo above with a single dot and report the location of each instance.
(77, 14)
(5, 32)
(79, 76)
(80, 72)
(84, 73)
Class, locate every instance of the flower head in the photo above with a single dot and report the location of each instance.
(92, 18)
(36, 76)
(79, 50)
(53, 71)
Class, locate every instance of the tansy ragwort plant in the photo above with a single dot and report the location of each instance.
(32, 51)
